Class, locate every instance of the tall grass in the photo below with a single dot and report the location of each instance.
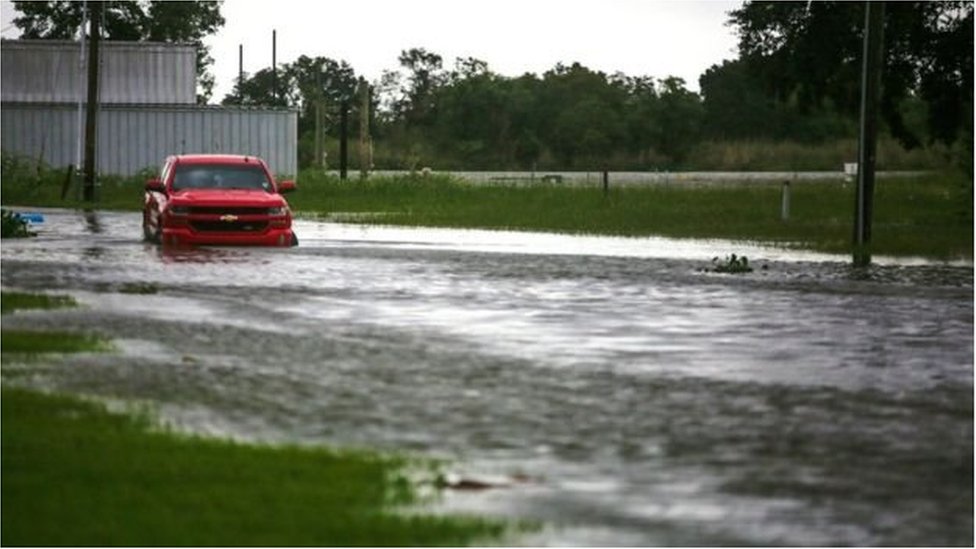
(927, 216)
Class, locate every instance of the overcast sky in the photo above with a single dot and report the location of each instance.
(655, 38)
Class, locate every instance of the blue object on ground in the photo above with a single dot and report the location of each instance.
(31, 217)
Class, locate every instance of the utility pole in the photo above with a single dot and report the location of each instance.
(240, 74)
(343, 139)
(91, 110)
(274, 66)
(318, 119)
(364, 156)
(873, 59)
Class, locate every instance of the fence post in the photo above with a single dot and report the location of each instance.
(785, 202)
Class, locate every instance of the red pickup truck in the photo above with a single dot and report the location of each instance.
(217, 199)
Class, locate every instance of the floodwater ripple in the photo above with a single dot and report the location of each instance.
(641, 399)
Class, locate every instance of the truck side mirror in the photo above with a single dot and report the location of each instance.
(287, 187)
(155, 184)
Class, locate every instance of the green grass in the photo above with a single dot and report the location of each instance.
(930, 216)
(926, 216)
(14, 301)
(32, 343)
(75, 474)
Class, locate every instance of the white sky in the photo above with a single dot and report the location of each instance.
(655, 38)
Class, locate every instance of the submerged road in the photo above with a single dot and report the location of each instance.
(621, 393)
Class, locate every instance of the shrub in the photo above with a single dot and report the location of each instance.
(12, 226)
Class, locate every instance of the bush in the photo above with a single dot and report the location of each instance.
(12, 226)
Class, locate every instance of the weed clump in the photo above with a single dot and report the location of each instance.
(13, 226)
(731, 265)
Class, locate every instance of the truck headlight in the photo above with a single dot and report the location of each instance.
(278, 211)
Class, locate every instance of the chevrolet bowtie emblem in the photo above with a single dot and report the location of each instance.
(228, 218)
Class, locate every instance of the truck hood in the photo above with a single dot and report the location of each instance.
(226, 197)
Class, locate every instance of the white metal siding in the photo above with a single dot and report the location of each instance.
(134, 137)
(50, 71)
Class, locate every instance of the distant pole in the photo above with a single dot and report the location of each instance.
(318, 119)
(343, 138)
(867, 144)
(606, 181)
(784, 210)
(274, 66)
(240, 74)
(91, 110)
(81, 66)
(364, 156)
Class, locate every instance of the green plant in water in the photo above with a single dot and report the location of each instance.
(731, 264)
(12, 225)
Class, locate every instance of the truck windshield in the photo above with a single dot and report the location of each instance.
(220, 176)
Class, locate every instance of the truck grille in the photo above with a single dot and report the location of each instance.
(229, 226)
(221, 210)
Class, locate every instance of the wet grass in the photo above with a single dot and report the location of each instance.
(13, 301)
(77, 474)
(928, 216)
(29, 342)
(33, 343)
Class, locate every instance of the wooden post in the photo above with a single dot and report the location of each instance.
(68, 176)
(91, 110)
(867, 143)
(784, 212)
(364, 144)
(343, 138)
(317, 162)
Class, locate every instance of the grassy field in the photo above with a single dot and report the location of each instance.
(13, 301)
(76, 474)
(929, 216)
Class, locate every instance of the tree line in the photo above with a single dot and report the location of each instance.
(796, 79)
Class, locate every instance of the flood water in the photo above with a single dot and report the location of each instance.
(621, 393)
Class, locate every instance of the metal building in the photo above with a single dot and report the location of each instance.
(135, 137)
(148, 109)
(54, 71)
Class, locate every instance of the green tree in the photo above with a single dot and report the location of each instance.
(679, 119)
(734, 104)
(582, 115)
(811, 51)
(154, 20)
(425, 76)
(263, 89)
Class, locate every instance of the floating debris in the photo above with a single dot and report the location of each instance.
(731, 264)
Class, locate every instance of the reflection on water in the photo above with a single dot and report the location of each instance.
(202, 255)
(92, 223)
(647, 402)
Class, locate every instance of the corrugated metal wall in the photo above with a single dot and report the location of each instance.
(48, 71)
(133, 137)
